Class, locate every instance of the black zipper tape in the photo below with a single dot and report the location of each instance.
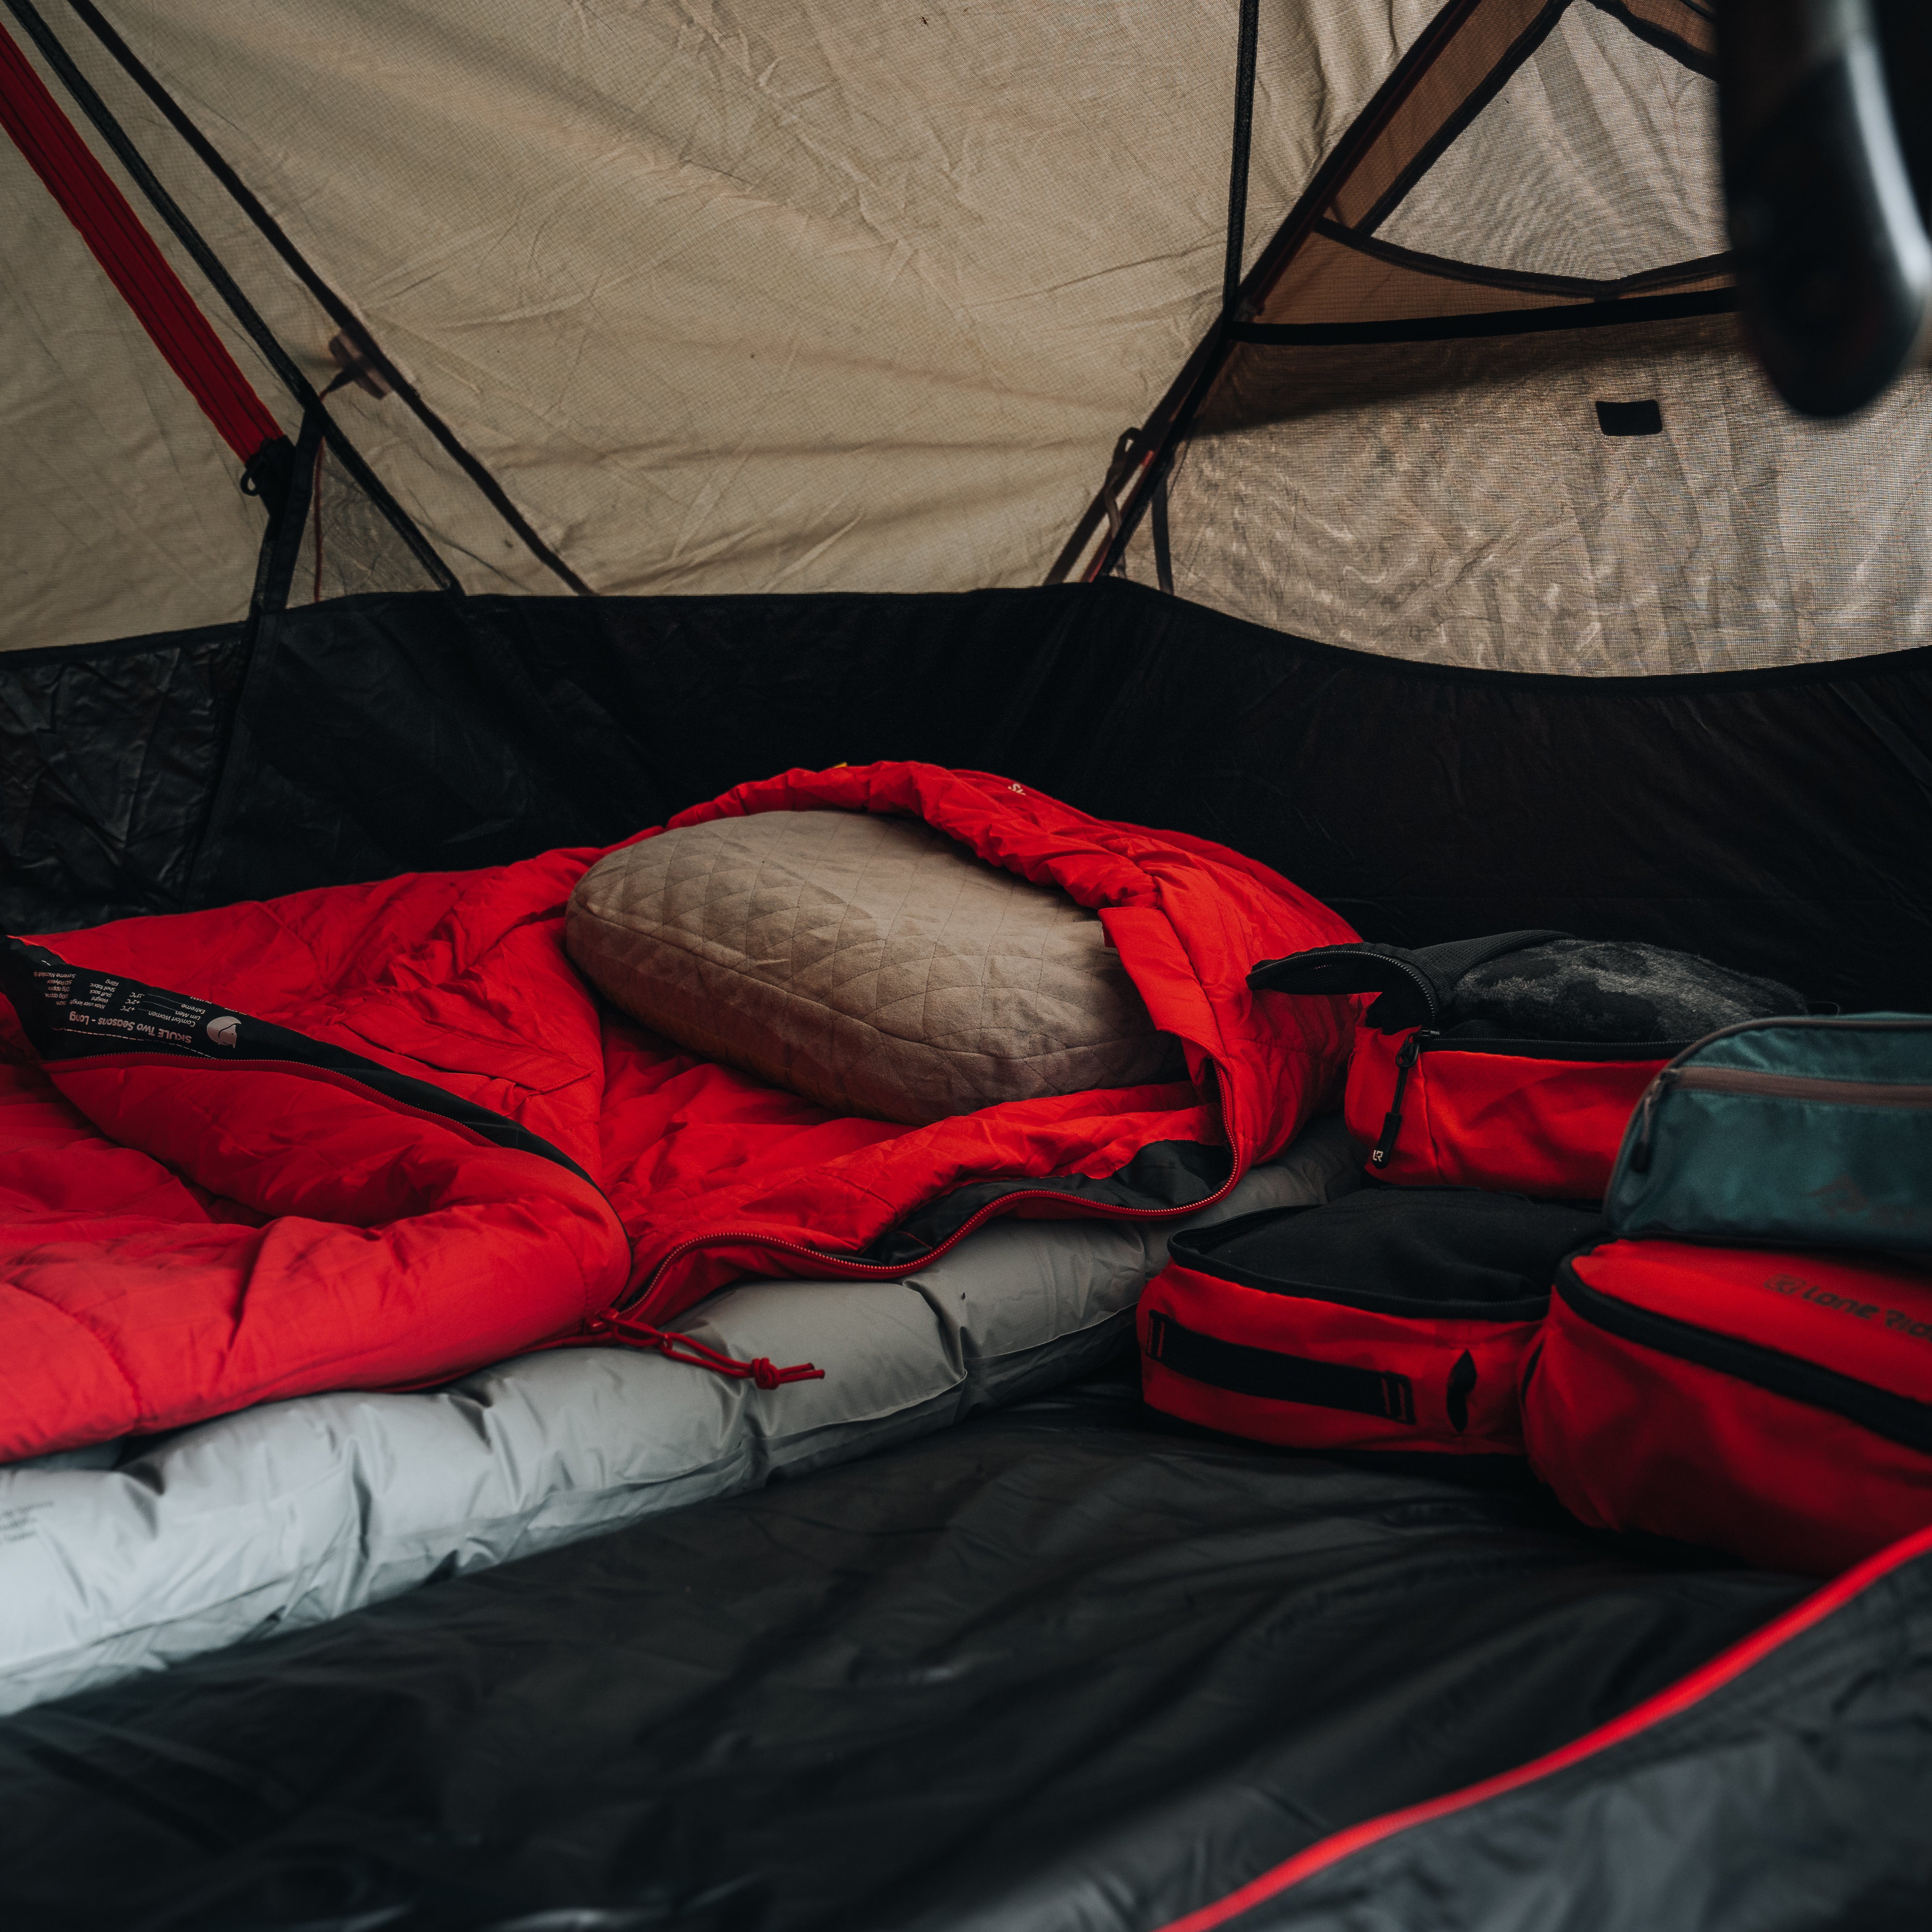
(1897, 1418)
(74, 1013)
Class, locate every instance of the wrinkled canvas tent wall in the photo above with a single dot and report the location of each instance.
(851, 310)
(724, 297)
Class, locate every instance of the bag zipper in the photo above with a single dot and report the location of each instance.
(1897, 1417)
(1803, 1087)
(1744, 1080)
(1409, 1053)
(1423, 980)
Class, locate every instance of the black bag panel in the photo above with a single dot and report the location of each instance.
(1417, 988)
(1608, 991)
(1544, 986)
(1431, 1252)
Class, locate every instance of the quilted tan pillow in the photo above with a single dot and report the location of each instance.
(868, 963)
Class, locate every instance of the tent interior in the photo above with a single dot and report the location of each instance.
(450, 438)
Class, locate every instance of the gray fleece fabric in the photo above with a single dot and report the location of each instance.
(1605, 989)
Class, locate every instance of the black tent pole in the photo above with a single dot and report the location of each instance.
(1237, 167)
(1137, 446)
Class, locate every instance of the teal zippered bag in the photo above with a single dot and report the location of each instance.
(1809, 1132)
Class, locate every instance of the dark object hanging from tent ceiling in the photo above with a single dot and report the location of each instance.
(1834, 264)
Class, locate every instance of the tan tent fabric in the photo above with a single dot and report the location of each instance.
(1456, 501)
(119, 509)
(734, 298)
(1443, 487)
(121, 505)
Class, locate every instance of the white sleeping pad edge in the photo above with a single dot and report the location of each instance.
(294, 1512)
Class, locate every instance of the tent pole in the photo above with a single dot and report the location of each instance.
(205, 258)
(331, 303)
(1189, 388)
(1237, 167)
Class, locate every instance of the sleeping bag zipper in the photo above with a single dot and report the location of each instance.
(618, 1323)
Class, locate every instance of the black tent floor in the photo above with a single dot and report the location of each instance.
(1064, 1667)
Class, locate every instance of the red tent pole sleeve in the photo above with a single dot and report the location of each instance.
(108, 226)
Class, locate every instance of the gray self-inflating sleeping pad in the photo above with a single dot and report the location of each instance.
(133, 1557)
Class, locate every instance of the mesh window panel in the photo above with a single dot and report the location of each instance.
(1598, 159)
(1465, 502)
(1628, 499)
(1490, 40)
(348, 546)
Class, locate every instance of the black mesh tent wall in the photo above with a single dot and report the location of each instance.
(1777, 818)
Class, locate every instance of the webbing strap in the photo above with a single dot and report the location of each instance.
(1245, 1369)
(99, 211)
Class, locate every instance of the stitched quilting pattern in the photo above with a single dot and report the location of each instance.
(867, 961)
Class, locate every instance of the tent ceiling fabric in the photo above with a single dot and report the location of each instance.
(728, 298)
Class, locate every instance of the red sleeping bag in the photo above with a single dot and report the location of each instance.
(372, 1136)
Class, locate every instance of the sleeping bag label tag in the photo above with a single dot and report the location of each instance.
(69, 1011)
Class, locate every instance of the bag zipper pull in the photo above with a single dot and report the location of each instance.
(1639, 1160)
(1406, 1056)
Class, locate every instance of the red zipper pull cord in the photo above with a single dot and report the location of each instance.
(677, 1348)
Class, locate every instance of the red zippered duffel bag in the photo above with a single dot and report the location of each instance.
(1774, 1403)
(1392, 1318)
(1514, 1061)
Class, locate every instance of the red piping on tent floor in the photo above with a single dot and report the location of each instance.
(1687, 1690)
